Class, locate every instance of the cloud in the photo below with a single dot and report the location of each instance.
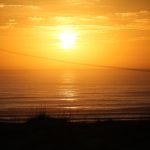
(6, 5)
(34, 7)
(80, 19)
(2, 27)
(104, 23)
(116, 22)
(36, 19)
(2, 5)
(132, 20)
(141, 13)
(8, 25)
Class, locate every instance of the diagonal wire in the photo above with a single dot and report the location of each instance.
(72, 62)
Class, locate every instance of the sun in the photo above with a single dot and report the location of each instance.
(68, 39)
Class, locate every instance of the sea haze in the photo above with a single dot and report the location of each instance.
(80, 95)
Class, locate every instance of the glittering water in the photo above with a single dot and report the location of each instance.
(76, 94)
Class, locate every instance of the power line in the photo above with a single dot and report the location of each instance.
(72, 62)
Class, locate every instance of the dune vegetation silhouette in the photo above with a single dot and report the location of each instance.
(42, 132)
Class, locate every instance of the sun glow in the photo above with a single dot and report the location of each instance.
(68, 39)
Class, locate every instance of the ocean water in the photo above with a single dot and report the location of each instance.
(79, 95)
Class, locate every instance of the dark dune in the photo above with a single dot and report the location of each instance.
(43, 133)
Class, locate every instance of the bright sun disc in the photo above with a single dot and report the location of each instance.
(68, 39)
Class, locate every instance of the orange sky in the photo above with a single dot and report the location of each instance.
(108, 32)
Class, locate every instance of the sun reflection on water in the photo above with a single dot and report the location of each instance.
(68, 89)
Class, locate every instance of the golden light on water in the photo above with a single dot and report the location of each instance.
(68, 88)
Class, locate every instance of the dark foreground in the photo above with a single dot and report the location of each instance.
(43, 133)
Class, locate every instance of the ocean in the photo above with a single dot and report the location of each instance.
(79, 95)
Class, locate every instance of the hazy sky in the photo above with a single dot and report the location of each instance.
(108, 32)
